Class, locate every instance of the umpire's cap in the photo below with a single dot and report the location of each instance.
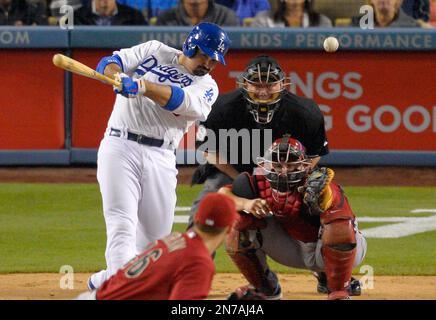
(216, 210)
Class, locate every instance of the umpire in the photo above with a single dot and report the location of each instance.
(263, 102)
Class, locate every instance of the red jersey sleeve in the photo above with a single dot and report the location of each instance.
(193, 281)
(340, 208)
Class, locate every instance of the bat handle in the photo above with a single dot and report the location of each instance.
(117, 80)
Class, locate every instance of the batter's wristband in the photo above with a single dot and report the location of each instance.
(141, 87)
(108, 60)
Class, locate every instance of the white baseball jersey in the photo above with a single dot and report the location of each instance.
(138, 182)
(159, 63)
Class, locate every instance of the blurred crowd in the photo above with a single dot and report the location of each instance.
(247, 13)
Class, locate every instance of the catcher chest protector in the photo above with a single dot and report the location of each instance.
(288, 211)
(338, 233)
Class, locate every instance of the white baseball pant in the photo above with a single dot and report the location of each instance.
(137, 184)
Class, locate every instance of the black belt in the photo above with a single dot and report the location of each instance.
(140, 138)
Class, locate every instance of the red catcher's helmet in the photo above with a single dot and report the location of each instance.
(285, 164)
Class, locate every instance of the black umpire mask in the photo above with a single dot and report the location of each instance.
(263, 84)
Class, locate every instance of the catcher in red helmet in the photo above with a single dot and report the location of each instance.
(297, 216)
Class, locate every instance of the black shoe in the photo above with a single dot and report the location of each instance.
(354, 289)
(248, 292)
(322, 282)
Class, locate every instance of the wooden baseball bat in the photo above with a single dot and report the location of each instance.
(74, 66)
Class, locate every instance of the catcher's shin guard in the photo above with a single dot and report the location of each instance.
(242, 249)
(339, 251)
(355, 288)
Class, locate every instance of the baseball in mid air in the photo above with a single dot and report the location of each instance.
(331, 44)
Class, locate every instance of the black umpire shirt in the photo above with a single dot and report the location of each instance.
(297, 116)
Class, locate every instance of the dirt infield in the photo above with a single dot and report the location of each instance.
(346, 176)
(46, 286)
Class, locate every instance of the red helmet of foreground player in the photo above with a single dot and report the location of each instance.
(285, 164)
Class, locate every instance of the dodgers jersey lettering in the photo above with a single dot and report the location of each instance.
(159, 63)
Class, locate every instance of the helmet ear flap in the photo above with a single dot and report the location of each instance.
(189, 48)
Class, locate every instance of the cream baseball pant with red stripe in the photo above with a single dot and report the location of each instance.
(138, 188)
(282, 248)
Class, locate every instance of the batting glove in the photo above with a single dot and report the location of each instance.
(130, 88)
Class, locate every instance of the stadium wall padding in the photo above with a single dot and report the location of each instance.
(377, 92)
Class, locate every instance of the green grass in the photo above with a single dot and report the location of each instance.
(390, 201)
(46, 226)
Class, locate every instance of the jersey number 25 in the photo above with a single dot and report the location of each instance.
(142, 263)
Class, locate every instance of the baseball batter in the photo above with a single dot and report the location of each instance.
(177, 267)
(164, 91)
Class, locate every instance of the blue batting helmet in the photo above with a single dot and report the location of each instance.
(210, 38)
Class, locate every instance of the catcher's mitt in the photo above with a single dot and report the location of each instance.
(246, 293)
(316, 192)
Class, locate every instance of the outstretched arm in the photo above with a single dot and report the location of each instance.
(257, 207)
(159, 93)
(169, 97)
(194, 101)
(126, 61)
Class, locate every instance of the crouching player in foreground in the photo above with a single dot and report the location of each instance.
(299, 218)
(177, 267)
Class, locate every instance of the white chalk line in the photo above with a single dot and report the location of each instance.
(180, 209)
(423, 211)
(403, 229)
(399, 227)
(181, 219)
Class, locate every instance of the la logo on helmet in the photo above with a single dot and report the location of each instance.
(221, 46)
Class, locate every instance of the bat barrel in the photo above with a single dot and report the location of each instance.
(66, 63)
(58, 60)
